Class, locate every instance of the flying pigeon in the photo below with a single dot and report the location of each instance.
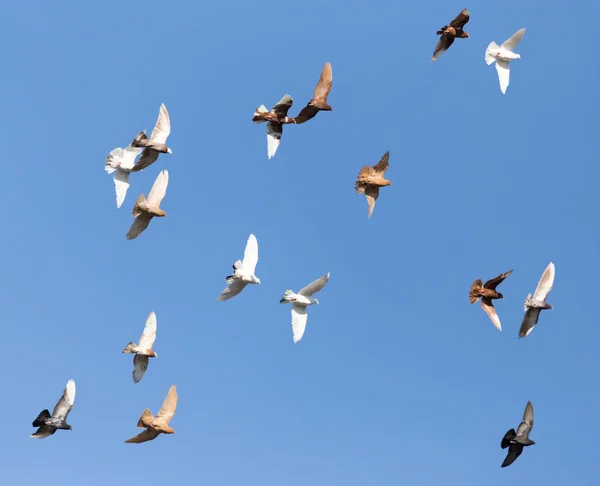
(243, 271)
(487, 292)
(319, 99)
(275, 119)
(449, 32)
(534, 305)
(143, 351)
(370, 179)
(120, 161)
(515, 441)
(48, 424)
(157, 425)
(156, 144)
(299, 303)
(503, 55)
(145, 209)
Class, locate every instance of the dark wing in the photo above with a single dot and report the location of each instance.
(139, 225)
(283, 105)
(444, 43)
(514, 451)
(493, 283)
(324, 85)
(43, 431)
(146, 435)
(460, 20)
(372, 193)
(65, 404)
(510, 435)
(381, 166)
(306, 114)
(149, 156)
(529, 321)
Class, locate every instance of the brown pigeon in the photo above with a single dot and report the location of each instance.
(157, 425)
(487, 292)
(275, 119)
(156, 144)
(143, 351)
(319, 100)
(450, 32)
(370, 179)
(145, 209)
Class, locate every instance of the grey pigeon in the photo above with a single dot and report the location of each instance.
(534, 305)
(515, 441)
(156, 144)
(48, 424)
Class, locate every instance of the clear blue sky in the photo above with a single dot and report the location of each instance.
(398, 379)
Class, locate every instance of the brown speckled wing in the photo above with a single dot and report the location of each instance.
(324, 85)
(461, 19)
(381, 166)
(494, 282)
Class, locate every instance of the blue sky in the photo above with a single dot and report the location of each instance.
(398, 380)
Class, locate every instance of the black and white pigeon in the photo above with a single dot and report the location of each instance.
(515, 441)
(48, 424)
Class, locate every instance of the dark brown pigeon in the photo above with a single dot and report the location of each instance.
(275, 119)
(487, 292)
(319, 100)
(450, 32)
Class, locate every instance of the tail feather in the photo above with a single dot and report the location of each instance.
(145, 419)
(286, 294)
(41, 418)
(140, 140)
(139, 205)
(474, 291)
(130, 348)
(489, 59)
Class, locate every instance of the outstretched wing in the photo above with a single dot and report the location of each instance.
(121, 179)
(159, 189)
(381, 166)
(527, 424)
(274, 133)
(503, 68)
(149, 335)
(306, 114)
(283, 105)
(232, 290)
(129, 155)
(148, 158)
(299, 318)
(461, 19)
(510, 43)
(65, 404)
(488, 306)
(545, 284)
(140, 365)
(250, 255)
(372, 193)
(167, 410)
(442, 46)
(162, 129)
(494, 282)
(532, 314)
(314, 287)
(514, 451)
(43, 432)
(324, 85)
(139, 225)
(146, 435)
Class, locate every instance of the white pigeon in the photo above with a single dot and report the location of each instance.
(121, 161)
(503, 55)
(243, 271)
(299, 303)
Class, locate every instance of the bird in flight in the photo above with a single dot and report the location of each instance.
(319, 99)
(157, 425)
(48, 424)
(243, 271)
(487, 293)
(536, 304)
(515, 441)
(275, 119)
(503, 55)
(145, 209)
(370, 179)
(156, 144)
(450, 32)
(143, 351)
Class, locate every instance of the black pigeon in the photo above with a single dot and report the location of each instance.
(515, 441)
(48, 424)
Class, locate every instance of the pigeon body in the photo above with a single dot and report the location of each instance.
(370, 179)
(48, 424)
(156, 144)
(121, 161)
(145, 209)
(487, 292)
(275, 119)
(450, 32)
(536, 303)
(143, 351)
(157, 425)
(319, 99)
(516, 440)
(502, 55)
(243, 271)
(299, 302)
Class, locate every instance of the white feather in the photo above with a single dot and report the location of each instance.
(250, 256)
(503, 68)
(299, 318)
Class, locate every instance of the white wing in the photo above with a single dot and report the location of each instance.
(232, 290)
(70, 395)
(510, 43)
(314, 287)
(274, 133)
(113, 160)
(503, 69)
(159, 189)
(545, 284)
(162, 129)
(299, 317)
(149, 334)
(140, 365)
(250, 256)
(121, 179)
(129, 155)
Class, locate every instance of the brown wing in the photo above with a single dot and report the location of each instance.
(444, 43)
(365, 172)
(488, 306)
(494, 282)
(283, 105)
(149, 156)
(324, 85)
(460, 20)
(381, 166)
(167, 410)
(139, 225)
(306, 114)
(372, 193)
(474, 291)
(145, 436)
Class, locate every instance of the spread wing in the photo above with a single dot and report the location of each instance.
(43, 432)
(148, 158)
(545, 284)
(443, 44)
(503, 68)
(149, 334)
(381, 166)
(274, 133)
(65, 404)
(232, 290)
(461, 19)
(283, 105)
(488, 306)
(494, 282)
(306, 114)
(299, 317)
(146, 435)
(510, 435)
(529, 321)
(159, 189)
(167, 410)
(514, 451)
(121, 179)
(510, 43)
(162, 129)
(324, 85)
(129, 155)
(527, 424)
(139, 225)
(314, 287)
(140, 365)
(250, 255)
(372, 193)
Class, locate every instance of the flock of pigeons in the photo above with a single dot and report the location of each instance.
(122, 162)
